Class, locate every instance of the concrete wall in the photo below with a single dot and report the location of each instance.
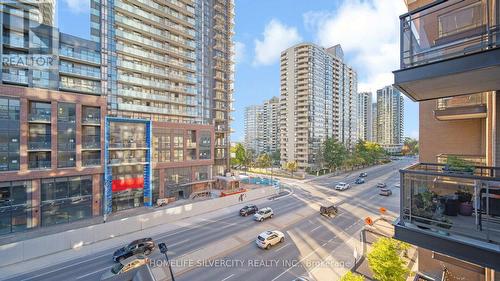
(428, 264)
(50, 244)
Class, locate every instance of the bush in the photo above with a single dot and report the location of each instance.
(349, 276)
(385, 260)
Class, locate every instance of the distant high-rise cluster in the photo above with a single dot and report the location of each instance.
(389, 119)
(365, 116)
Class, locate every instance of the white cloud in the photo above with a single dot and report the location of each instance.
(239, 52)
(369, 34)
(277, 38)
(78, 6)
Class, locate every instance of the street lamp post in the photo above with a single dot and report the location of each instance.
(163, 250)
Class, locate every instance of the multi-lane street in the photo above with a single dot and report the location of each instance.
(309, 237)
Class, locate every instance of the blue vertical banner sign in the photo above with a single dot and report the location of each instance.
(148, 192)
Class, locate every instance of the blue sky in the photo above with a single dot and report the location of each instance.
(367, 30)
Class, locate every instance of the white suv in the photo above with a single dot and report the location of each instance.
(342, 186)
(269, 238)
(262, 214)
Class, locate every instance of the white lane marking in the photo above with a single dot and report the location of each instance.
(281, 248)
(91, 273)
(61, 268)
(312, 230)
(228, 277)
(180, 242)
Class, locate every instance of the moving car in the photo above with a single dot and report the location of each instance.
(248, 210)
(269, 238)
(328, 211)
(342, 186)
(262, 214)
(363, 175)
(359, 181)
(385, 192)
(381, 185)
(125, 265)
(138, 247)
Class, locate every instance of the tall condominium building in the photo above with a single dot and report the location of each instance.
(270, 123)
(116, 122)
(254, 131)
(374, 123)
(262, 126)
(390, 118)
(365, 116)
(318, 101)
(169, 90)
(450, 65)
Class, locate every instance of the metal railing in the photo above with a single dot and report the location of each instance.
(91, 162)
(40, 115)
(91, 142)
(447, 29)
(36, 143)
(455, 202)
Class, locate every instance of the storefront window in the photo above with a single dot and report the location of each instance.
(15, 207)
(66, 199)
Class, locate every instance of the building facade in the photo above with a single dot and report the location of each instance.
(318, 101)
(262, 126)
(254, 128)
(365, 116)
(390, 119)
(455, 80)
(374, 122)
(115, 122)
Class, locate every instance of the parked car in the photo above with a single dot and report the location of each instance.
(363, 175)
(385, 192)
(359, 181)
(269, 238)
(342, 186)
(248, 210)
(125, 265)
(262, 214)
(144, 246)
(397, 185)
(381, 185)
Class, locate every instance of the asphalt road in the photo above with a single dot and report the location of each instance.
(311, 240)
(303, 238)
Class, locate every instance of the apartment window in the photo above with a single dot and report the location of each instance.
(66, 135)
(205, 146)
(9, 134)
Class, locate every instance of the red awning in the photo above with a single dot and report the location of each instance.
(128, 183)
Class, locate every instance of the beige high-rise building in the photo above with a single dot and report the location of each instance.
(450, 201)
(318, 101)
(390, 119)
(365, 116)
(254, 131)
(262, 126)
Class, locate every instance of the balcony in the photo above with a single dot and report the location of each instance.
(91, 142)
(452, 210)
(91, 162)
(462, 107)
(41, 164)
(91, 120)
(449, 48)
(39, 143)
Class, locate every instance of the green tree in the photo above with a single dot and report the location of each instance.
(291, 166)
(238, 155)
(349, 276)
(334, 153)
(264, 160)
(410, 146)
(276, 156)
(385, 260)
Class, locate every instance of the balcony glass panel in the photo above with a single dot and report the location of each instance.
(461, 101)
(458, 202)
(448, 29)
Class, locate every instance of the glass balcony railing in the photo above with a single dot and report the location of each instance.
(14, 78)
(91, 162)
(448, 29)
(39, 143)
(93, 120)
(131, 160)
(478, 160)
(39, 115)
(91, 142)
(128, 144)
(40, 164)
(461, 101)
(455, 202)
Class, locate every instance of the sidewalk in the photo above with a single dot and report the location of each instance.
(103, 248)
